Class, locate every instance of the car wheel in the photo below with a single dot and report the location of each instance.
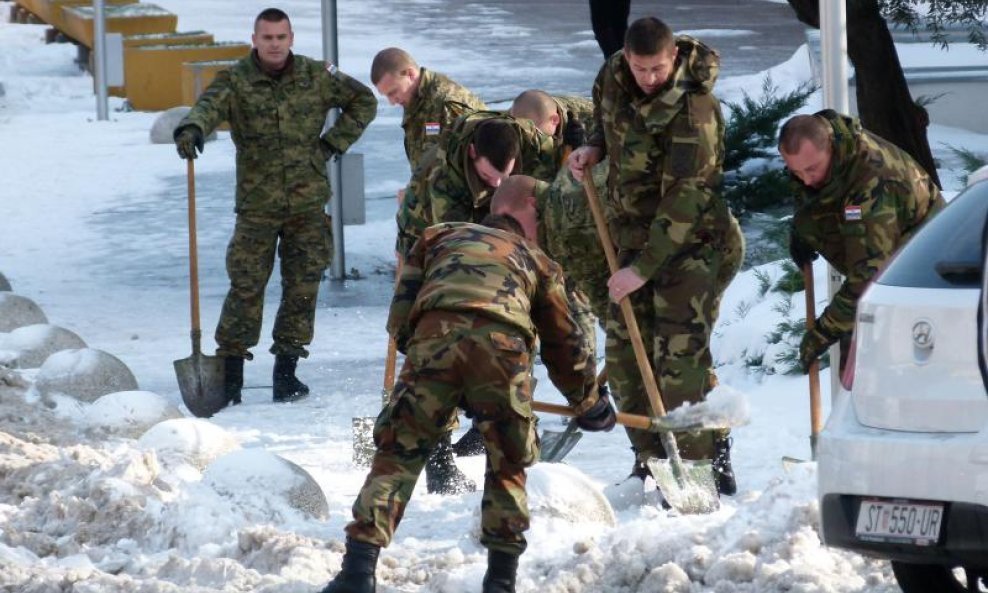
(924, 578)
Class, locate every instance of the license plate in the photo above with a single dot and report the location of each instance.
(898, 521)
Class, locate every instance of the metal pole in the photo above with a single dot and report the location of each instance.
(331, 52)
(99, 59)
(833, 53)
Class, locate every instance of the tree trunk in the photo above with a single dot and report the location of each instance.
(885, 105)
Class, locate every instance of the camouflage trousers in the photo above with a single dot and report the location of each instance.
(482, 366)
(676, 312)
(304, 246)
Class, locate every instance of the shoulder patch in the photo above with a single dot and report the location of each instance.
(852, 213)
(432, 128)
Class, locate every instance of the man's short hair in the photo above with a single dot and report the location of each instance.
(511, 194)
(272, 15)
(804, 127)
(497, 141)
(504, 222)
(391, 60)
(648, 36)
(533, 104)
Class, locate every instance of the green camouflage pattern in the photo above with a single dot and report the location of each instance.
(456, 193)
(439, 100)
(415, 211)
(676, 311)
(305, 248)
(568, 235)
(275, 124)
(467, 307)
(873, 201)
(671, 226)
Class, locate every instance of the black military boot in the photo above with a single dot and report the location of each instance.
(471, 443)
(721, 464)
(441, 474)
(501, 571)
(287, 387)
(357, 573)
(233, 378)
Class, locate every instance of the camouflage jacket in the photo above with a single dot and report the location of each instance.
(469, 268)
(666, 156)
(456, 192)
(437, 104)
(873, 200)
(582, 110)
(568, 234)
(275, 124)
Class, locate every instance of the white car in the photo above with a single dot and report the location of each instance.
(903, 459)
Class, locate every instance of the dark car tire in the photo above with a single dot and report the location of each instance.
(927, 578)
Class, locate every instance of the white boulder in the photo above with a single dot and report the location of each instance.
(193, 441)
(129, 413)
(17, 311)
(31, 345)
(84, 374)
(163, 128)
(261, 483)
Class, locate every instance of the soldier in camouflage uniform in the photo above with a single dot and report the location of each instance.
(431, 102)
(562, 117)
(276, 104)
(467, 310)
(480, 151)
(657, 120)
(558, 216)
(858, 199)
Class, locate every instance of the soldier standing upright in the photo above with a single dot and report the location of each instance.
(467, 310)
(276, 103)
(657, 120)
(858, 199)
(431, 103)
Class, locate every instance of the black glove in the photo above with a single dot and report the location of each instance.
(328, 150)
(800, 252)
(574, 134)
(188, 139)
(600, 416)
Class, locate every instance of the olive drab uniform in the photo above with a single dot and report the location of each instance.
(282, 188)
(457, 193)
(437, 103)
(874, 200)
(671, 226)
(466, 312)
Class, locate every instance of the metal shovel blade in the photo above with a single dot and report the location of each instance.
(557, 445)
(691, 491)
(200, 379)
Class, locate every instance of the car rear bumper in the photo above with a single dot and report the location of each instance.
(963, 540)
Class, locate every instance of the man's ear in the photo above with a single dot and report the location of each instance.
(554, 118)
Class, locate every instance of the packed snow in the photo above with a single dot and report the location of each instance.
(106, 484)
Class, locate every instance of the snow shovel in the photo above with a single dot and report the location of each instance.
(557, 445)
(200, 377)
(687, 487)
(813, 373)
(363, 426)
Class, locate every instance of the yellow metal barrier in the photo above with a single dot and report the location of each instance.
(128, 19)
(50, 11)
(153, 74)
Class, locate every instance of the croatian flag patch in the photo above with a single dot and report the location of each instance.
(852, 213)
(431, 128)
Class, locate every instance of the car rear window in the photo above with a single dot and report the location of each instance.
(946, 253)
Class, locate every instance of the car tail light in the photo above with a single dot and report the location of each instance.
(847, 377)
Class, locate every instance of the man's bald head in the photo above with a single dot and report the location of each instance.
(537, 106)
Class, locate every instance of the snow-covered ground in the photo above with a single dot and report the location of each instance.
(92, 228)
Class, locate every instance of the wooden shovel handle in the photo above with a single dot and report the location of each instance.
(629, 420)
(391, 360)
(644, 365)
(193, 257)
(816, 416)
